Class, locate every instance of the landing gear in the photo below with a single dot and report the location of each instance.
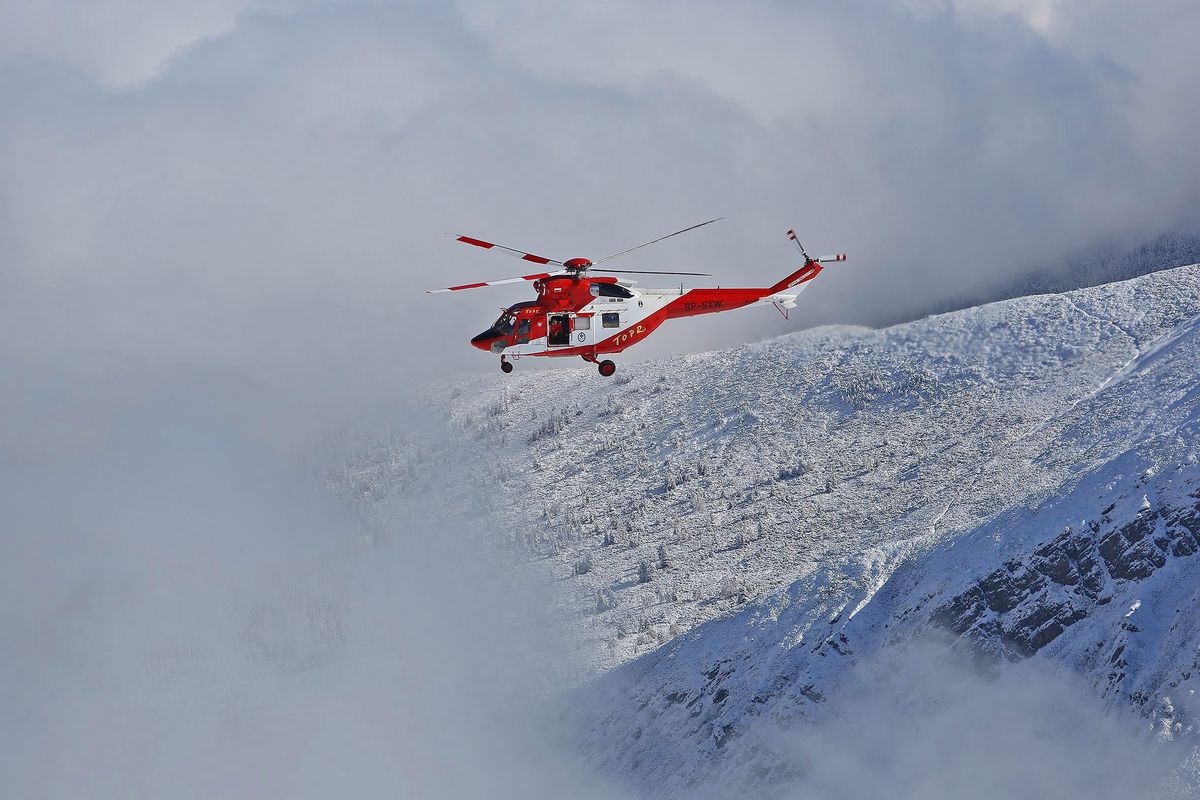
(607, 368)
(505, 365)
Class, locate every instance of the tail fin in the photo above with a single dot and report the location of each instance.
(806, 273)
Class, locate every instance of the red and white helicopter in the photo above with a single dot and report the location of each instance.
(578, 313)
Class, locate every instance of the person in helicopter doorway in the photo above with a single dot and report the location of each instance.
(558, 331)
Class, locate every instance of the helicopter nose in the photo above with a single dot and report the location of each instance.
(491, 341)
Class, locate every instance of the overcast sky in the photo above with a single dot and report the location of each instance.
(218, 220)
(258, 190)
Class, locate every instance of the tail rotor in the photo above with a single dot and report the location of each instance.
(809, 259)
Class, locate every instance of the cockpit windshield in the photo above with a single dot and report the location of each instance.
(508, 317)
(504, 325)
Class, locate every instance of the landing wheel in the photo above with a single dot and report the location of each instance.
(506, 366)
(607, 368)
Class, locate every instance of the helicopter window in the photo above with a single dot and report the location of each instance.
(608, 290)
(504, 325)
(523, 332)
(582, 323)
(612, 319)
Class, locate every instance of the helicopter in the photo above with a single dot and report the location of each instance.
(581, 313)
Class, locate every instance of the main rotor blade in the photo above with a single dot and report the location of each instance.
(659, 239)
(653, 272)
(512, 251)
(481, 284)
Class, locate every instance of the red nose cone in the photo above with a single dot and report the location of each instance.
(484, 340)
(577, 263)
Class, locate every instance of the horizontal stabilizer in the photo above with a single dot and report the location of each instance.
(784, 300)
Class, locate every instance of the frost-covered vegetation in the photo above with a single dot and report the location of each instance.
(757, 465)
(798, 503)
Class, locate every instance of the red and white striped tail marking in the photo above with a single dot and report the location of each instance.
(827, 259)
(480, 284)
(512, 251)
(805, 274)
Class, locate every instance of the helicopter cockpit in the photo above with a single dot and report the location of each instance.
(504, 325)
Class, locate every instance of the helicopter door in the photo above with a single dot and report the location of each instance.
(523, 332)
(581, 331)
(558, 330)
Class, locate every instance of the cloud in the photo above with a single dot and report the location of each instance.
(916, 722)
(262, 189)
(183, 615)
(216, 225)
(123, 45)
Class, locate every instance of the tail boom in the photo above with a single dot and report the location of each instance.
(710, 301)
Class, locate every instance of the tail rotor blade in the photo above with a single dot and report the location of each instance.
(808, 258)
(792, 236)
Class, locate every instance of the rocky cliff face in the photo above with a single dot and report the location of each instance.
(1014, 611)
(1110, 598)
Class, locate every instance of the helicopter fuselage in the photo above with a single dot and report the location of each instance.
(592, 316)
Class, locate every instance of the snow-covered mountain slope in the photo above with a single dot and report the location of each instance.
(1073, 538)
(1103, 581)
(733, 532)
(750, 468)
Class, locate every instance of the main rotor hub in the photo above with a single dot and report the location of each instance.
(577, 264)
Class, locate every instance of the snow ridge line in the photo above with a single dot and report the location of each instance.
(1137, 351)
(1120, 372)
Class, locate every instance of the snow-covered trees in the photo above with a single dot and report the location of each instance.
(605, 600)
